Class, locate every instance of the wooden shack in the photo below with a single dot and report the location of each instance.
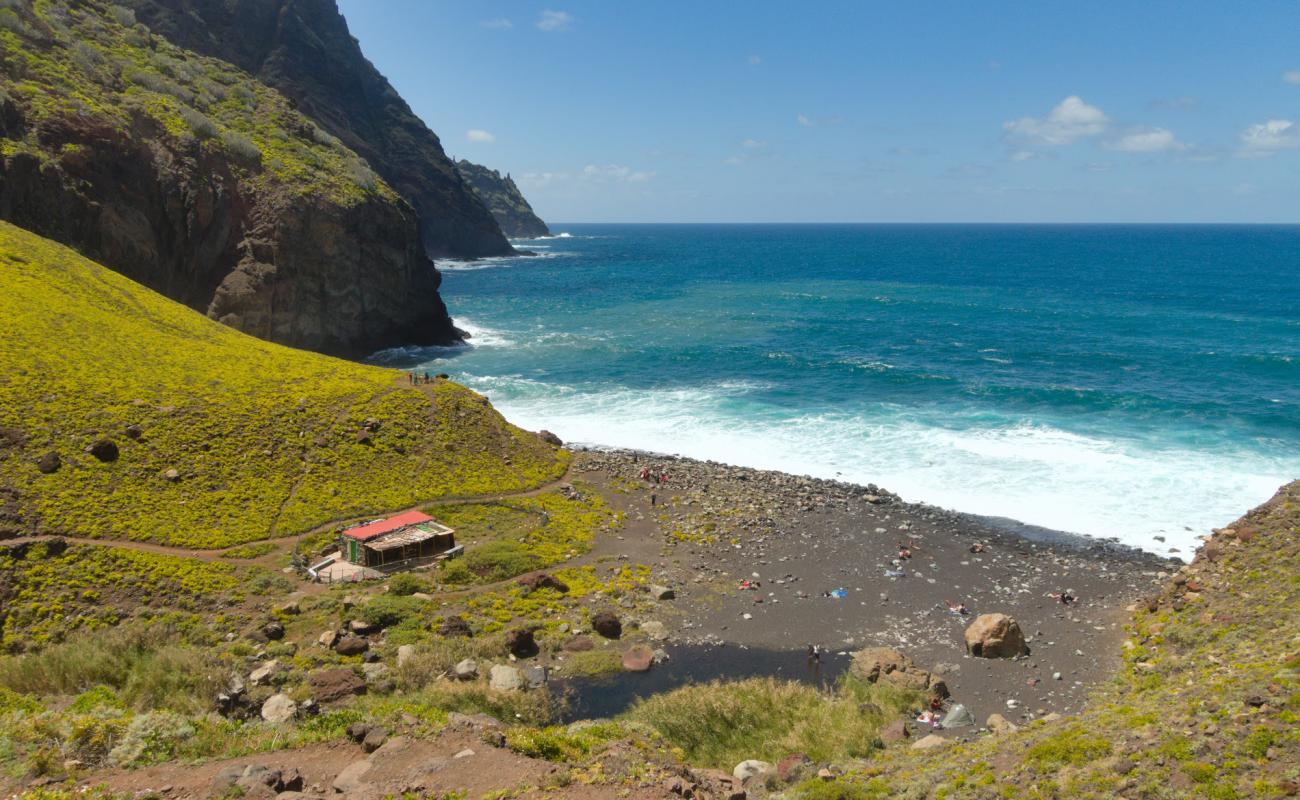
(402, 542)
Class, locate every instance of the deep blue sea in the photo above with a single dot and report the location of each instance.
(1128, 381)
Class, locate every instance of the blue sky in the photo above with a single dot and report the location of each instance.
(861, 112)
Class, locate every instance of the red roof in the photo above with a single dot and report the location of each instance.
(370, 530)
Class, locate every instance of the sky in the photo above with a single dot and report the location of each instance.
(861, 111)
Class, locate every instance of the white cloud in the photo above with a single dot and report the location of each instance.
(552, 21)
(500, 23)
(804, 121)
(754, 61)
(1071, 120)
(601, 173)
(1292, 76)
(478, 135)
(1146, 140)
(752, 143)
(1267, 138)
(1023, 155)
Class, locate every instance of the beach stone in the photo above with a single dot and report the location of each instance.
(662, 593)
(929, 742)
(1000, 724)
(505, 678)
(655, 630)
(104, 450)
(455, 626)
(752, 768)
(520, 642)
(49, 463)
(874, 662)
(607, 624)
(578, 644)
(327, 639)
(279, 708)
(351, 645)
(638, 658)
(995, 636)
(895, 731)
(332, 685)
(540, 580)
(465, 670)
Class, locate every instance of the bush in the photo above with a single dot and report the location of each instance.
(199, 123)
(388, 610)
(151, 738)
(499, 560)
(404, 583)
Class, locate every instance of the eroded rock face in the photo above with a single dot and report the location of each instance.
(507, 204)
(332, 271)
(303, 48)
(995, 636)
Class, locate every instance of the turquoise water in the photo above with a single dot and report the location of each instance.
(1127, 381)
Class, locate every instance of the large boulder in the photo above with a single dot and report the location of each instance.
(638, 658)
(995, 636)
(875, 662)
(520, 642)
(455, 627)
(332, 685)
(49, 463)
(751, 769)
(103, 450)
(351, 645)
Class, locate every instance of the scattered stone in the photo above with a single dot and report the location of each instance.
(375, 738)
(352, 777)
(273, 630)
(540, 580)
(995, 636)
(746, 771)
(333, 685)
(279, 708)
(505, 678)
(466, 753)
(465, 670)
(520, 642)
(171, 475)
(662, 593)
(638, 658)
(49, 463)
(607, 624)
(1000, 724)
(104, 450)
(535, 676)
(362, 628)
(929, 742)
(655, 630)
(375, 672)
(264, 673)
(327, 639)
(351, 645)
(578, 644)
(895, 731)
(455, 626)
(791, 768)
(292, 609)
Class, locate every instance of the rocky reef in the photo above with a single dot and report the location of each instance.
(303, 49)
(503, 198)
(182, 173)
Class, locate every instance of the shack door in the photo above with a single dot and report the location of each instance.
(352, 550)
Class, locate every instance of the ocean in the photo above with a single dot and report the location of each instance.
(1138, 382)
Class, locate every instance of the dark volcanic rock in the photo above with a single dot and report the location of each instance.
(607, 624)
(541, 580)
(520, 642)
(332, 685)
(48, 463)
(503, 198)
(351, 645)
(455, 626)
(104, 450)
(304, 49)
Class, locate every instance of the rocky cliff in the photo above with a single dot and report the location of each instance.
(181, 172)
(504, 200)
(303, 49)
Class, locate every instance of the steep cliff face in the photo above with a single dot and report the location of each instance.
(180, 172)
(504, 200)
(303, 49)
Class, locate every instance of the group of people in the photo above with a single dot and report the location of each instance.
(656, 475)
(415, 377)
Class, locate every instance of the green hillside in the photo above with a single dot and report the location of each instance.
(263, 440)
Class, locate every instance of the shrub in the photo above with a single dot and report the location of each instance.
(388, 610)
(123, 16)
(151, 738)
(405, 583)
(499, 560)
(199, 123)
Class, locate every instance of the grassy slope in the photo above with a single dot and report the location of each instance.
(1206, 704)
(264, 437)
(92, 61)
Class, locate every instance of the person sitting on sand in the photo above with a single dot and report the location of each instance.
(904, 552)
(978, 547)
(957, 608)
(930, 718)
(1064, 597)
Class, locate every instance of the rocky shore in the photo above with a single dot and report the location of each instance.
(779, 563)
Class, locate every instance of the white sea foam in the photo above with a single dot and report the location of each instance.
(1130, 489)
(480, 336)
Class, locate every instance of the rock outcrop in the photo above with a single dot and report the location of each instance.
(995, 636)
(187, 176)
(303, 48)
(503, 198)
